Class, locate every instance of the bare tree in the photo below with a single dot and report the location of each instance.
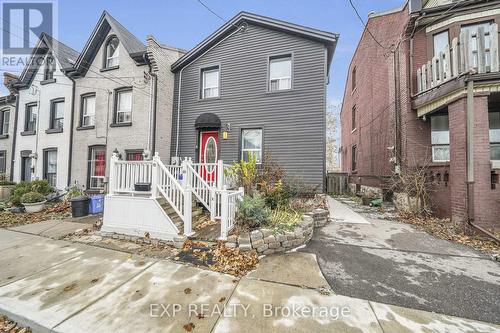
(332, 136)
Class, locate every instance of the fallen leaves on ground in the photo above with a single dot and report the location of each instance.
(187, 291)
(7, 325)
(446, 229)
(203, 222)
(189, 327)
(52, 212)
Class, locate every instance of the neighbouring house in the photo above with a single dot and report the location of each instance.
(425, 94)
(7, 114)
(44, 113)
(256, 85)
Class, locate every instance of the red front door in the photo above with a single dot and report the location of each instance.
(209, 145)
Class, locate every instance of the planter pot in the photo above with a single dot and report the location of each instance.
(5, 191)
(34, 207)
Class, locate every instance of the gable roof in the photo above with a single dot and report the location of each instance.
(62, 52)
(327, 38)
(135, 48)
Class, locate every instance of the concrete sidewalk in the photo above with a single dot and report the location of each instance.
(341, 213)
(57, 286)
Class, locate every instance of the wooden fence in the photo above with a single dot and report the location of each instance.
(336, 183)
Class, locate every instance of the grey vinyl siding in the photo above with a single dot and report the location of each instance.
(293, 122)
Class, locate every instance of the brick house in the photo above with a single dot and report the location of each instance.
(428, 96)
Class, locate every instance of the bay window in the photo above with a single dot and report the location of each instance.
(440, 138)
(251, 143)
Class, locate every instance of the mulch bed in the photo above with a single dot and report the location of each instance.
(52, 212)
(7, 325)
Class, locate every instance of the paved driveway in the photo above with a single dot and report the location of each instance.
(393, 263)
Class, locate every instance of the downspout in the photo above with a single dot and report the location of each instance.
(70, 159)
(155, 101)
(470, 161)
(12, 156)
(240, 28)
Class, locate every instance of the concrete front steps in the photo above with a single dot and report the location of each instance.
(196, 212)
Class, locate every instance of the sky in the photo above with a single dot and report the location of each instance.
(184, 23)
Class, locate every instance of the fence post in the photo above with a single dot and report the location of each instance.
(220, 174)
(154, 175)
(213, 204)
(224, 213)
(188, 210)
(112, 173)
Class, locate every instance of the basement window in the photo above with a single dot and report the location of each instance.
(440, 138)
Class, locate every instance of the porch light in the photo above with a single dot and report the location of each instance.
(225, 132)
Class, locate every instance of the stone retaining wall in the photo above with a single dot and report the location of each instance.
(266, 241)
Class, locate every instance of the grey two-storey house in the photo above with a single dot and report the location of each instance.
(256, 85)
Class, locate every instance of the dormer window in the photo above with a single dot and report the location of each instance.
(112, 53)
(50, 67)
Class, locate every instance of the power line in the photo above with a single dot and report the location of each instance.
(211, 11)
(366, 27)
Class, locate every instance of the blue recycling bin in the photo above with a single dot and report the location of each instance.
(96, 204)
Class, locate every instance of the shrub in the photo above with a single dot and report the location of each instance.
(277, 196)
(73, 192)
(252, 211)
(284, 220)
(32, 197)
(6, 183)
(245, 173)
(39, 186)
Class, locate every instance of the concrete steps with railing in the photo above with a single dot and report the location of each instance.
(176, 219)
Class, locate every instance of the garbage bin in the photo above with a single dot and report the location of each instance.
(96, 204)
(80, 206)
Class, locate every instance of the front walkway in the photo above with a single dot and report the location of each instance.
(391, 262)
(59, 286)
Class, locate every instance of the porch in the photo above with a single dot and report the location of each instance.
(161, 201)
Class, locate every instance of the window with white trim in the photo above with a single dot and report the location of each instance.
(210, 82)
(88, 110)
(494, 121)
(473, 30)
(440, 138)
(280, 73)
(97, 167)
(123, 106)
(50, 67)
(112, 53)
(251, 143)
(5, 121)
(30, 118)
(441, 43)
(57, 114)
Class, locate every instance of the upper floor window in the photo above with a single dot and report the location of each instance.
(473, 30)
(440, 138)
(280, 73)
(57, 114)
(50, 67)
(112, 53)
(4, 122)
(30, 118)
(441, 43)
(353, 78)
(210, 82)
(494, 121)
(123, 106)
(353, 118)
(251, 143)
(88, 110)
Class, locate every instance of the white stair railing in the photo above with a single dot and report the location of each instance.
(125, 174)
(199, 186)
(229, 201)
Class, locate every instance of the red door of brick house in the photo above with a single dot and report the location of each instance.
(209, 144)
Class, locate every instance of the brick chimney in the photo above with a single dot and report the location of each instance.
(9, 80)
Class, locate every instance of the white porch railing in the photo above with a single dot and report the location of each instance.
(176, 184)
(465, 54)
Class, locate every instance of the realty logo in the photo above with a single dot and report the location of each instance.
(23, 22)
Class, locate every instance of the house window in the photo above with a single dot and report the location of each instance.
(354, 158)
(25, 167)
(251, 143)
(210, 82)
(4, 122)
(50, 67)
(112, 53)
(50, 166)
(441, 43)
(353, 120)
(134, 155)
(353, 78)
(440, 138)
(30, 118)
(123, 106)
(473, 30)
(97, 167)
(88, 110)
(3, 161)
(494, 120)
(57, 114)
(280, 73)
